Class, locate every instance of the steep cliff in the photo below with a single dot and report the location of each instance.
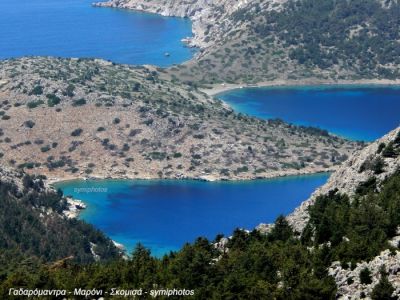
(370, 162)
(211, 18)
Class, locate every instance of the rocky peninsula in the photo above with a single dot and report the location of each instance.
(74, 118)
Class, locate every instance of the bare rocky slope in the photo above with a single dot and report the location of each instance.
(245, 41)
(69, 118)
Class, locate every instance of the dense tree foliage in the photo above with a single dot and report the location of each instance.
(359, 229)
(31, 226)
(383, 290)
(277, 265)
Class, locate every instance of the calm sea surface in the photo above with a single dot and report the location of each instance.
(164, 214)
(73, 28)
(361, 113)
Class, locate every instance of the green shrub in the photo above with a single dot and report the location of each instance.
(135, 132)
(29, 124)
(37, 90)
(77, 132)
(34, 104)
(389, 151)
(148, 122)
(52, 100)
(242, 169)
(157, 155)
(380, 148)
(383, 290)
(177, 155)
(69, 91)
(79, 102)
(45, 148)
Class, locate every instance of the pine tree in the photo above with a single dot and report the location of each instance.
(384, 289)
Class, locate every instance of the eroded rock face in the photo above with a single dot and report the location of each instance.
(350, 175)
(348, 281)
(212, 19)
(208, 16)
(11, 176)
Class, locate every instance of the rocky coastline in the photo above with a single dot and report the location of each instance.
(202, 13)
(74, 208)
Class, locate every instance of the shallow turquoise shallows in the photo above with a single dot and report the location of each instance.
(360, 112)
(163, 215)
(73, 28)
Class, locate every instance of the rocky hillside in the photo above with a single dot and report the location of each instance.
(376, 161)
(68, 118)
(366, 188)
(264, 40)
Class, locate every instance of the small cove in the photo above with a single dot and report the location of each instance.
(165, 214)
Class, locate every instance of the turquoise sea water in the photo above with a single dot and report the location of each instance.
(73, 28)
(163, 215)
(361, 113)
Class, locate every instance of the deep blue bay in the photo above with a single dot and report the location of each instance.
(73, 28)
(356, 112)
(165, 214)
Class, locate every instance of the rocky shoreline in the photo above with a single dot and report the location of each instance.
(272, 175)
(201, 13)
(75, 206)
